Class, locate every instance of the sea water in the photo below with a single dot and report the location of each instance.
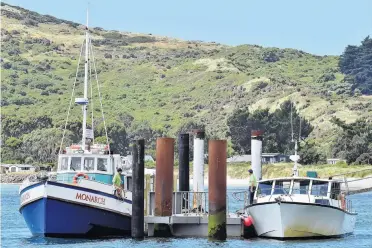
(14, 231)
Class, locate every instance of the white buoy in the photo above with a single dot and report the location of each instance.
(256, 153)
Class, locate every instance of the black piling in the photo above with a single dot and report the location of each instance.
(183, 159)
(183, 166)
(138, 189)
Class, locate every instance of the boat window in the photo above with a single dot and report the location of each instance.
(129, 184)
(75, 163)
(282, 187)
(301, 187)
(335, 190)
(89, 164)
(102, 164)
(64, 164)
(264, 188)
(319, 188)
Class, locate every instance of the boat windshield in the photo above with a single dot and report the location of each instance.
(264, 188)
(282, 187)
(319, 188)
(64, 164)
(102, 164)
(89, 164)
(75, 163)
(335, 190)
(301, 187)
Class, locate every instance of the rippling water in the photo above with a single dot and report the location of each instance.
(14, 232)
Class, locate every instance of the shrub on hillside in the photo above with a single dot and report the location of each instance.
(270, 57)
(108, 56)
(7, 65)
(326, 77)
(22, 101)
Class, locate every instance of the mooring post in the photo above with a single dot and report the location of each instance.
(217, 189)
(256, 153)
(198, 170)
(147, 190)
(183, 166)
(138, 189)
(164, 182)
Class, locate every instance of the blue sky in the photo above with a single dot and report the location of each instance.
(316, 26)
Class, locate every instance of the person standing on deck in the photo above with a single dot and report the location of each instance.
(117, 182)
(252, 185)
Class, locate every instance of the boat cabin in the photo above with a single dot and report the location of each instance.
(299, 189)
(98, 166)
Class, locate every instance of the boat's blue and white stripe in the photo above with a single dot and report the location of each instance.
(59, 209)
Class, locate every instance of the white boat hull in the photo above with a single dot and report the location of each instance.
(300, 220)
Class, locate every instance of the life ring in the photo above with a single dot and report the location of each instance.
(74, 179)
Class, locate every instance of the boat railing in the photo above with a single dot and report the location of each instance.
(336, 196)
(43, 176)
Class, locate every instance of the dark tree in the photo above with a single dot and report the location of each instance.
(309, 153)
(357, 62)
(240, 131)
(117, 137)
(354, 142)
(277, 128)
(144, 131)
(188, 127)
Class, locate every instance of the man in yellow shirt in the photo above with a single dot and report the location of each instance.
(117, 182)
(252, 185)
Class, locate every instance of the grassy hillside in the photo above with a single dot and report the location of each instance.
(164, 82)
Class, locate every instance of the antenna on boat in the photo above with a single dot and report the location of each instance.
(292, 122)
(294, 157)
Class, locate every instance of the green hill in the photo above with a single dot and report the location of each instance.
(158, 84)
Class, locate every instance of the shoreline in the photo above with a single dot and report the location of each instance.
(353, 183)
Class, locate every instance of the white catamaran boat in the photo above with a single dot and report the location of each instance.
(80, 199)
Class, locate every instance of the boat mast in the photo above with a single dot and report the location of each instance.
(294, 158)
(295, 170)
(85, 106)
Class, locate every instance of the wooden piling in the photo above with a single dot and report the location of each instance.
(164, 182)
(138, 189)
(217, 189)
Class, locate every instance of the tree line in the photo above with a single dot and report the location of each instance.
(37, 139)
(356, 63)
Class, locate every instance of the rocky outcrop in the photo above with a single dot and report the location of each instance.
(14, 177)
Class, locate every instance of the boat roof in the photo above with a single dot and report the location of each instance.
(87, 155)
(300, 178)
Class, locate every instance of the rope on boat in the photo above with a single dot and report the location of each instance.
(91, 91)
(100, 97)
(72, 95)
